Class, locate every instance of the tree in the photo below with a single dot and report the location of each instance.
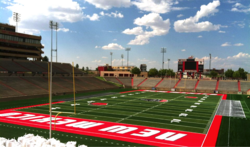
(83, 68)
(162, 72)
(87, 68)
(96, 69)
(170, 72)
(229, 73)
(153, 72)
(213, 73)
(45, 59)
(236, 75)
(77, 66)
(242, 72)
(136, 71)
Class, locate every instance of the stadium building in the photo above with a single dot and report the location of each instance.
(191, 67)
(15, 45)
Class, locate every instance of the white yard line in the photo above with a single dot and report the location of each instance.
(144, 110)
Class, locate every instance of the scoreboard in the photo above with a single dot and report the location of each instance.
(191, 65)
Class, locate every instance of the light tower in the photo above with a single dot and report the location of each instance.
(122, 60)
(163, 50)
(111, 58)
(127, 49)
(16, 18)
(52, 26)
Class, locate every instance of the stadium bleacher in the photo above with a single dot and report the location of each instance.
(228, 85)
(150, 82)
(167, 83)
(125, 81)
(207, 85)
(11, 66)
(187, 84)
(137, 81)
(245, 86)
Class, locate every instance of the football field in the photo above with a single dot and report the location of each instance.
(182, 113)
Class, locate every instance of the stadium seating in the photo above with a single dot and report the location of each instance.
(112, 79)
(137, 81)
(244, 86)
(206, 85)
(150, 82)
(228, 86)
(11, 66)
(167, 83)
(125, 81)
(187, 84)
(7, 92)
(29, 65)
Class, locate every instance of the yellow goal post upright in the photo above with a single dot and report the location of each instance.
(59, 112)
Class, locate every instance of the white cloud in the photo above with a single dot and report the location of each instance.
(239, 60)
(97, 46)
(104, 57)
(183, 50)
(108, 4)
(77, 57)
(94, 17)
(238, 7)
(114, 39)
(152, 20)
(226, 44)
(180, 15)
(238, 44)
(97, 61)
(35, 15)
(157, 6)
(112, 14)
(222, 31)
(192, 24)
(240, 24)
(200, 36)
(143, 60)
(112, 46)
(63, 29)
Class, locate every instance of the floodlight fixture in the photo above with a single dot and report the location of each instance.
(127, 49)
(16, 18)
(111, 58)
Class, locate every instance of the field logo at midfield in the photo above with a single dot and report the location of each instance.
(117, 131)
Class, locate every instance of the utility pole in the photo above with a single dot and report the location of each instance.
(111, 58)
(168, 63)
(127, 49)
(163, 50)
(16, 18)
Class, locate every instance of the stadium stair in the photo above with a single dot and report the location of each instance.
(119, 81)
(197, 83)
(33, 84)
(217, 85)
(239, 88)
(177, 83)
(142, 82)
(159, 82)
(11, 88)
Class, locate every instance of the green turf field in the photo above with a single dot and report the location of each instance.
(128, 108)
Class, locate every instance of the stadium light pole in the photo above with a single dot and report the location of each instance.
(127, 49)
(163, 50)
(111, 58)
(122, 59)
(56, 27)
(16, 18)
(52, 26)
(210, 63)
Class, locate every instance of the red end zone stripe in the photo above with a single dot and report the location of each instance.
(130, 91)
(213, 132)
(131, 133)
(224, 97)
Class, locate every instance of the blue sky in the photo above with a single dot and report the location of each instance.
(91, 29)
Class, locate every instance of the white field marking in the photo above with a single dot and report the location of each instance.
(197, 103)
(176, 120)
(183, 114)
(193, 106)
(229, 124)
(200, 101)
(211, 121)
(132, 138)
(104, 107)
(103, 99)
(188, 110)
(247, 106)
(139, 112)
(113, 97)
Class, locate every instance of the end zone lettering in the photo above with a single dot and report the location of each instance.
(118, 131)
